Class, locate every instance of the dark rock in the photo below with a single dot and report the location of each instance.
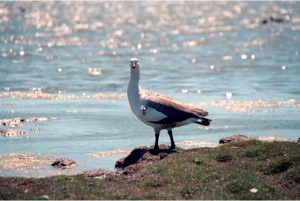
(64, 163)
(265, 21)
(119, 163)
(144, 155)
(98, 174)
(275, 18)
(234, 138)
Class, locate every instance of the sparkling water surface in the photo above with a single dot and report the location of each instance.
(70, 60)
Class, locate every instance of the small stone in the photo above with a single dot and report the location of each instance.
(45, 197)
(63, 163)
(233, 138)
(253, 190)
(275, 18)
(265, 21)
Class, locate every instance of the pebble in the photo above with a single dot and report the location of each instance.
(45, 197)
(233, 138)
(63, 163)
(253, 190)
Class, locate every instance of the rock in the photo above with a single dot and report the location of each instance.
(45, 197)
(98, 174)
(144, 155)
(272, 139)
(64, 163)
(253, 190)
(298, 141)
(119, 163)
(234, 138)
(265, 21)
(275, 18)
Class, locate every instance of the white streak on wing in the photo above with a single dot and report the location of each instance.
(152, 114)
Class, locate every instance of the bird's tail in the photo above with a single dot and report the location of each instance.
(203, 121)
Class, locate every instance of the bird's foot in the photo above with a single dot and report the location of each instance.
(156, 148)
(172, 147)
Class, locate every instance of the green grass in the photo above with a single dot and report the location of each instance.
(225, 172)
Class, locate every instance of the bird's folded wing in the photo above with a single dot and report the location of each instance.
(167, 109)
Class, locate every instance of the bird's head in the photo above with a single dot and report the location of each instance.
(134, 64)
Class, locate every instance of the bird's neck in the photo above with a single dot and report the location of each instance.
(133, 88)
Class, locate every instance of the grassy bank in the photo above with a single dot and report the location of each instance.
(242, 170)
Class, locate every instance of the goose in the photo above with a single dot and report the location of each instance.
(158, 110)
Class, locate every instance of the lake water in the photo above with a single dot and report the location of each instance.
(70, 60)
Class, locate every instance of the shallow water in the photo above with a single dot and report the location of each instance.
(70, 60)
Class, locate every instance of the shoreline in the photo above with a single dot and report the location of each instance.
(30, 164)
(249, 169)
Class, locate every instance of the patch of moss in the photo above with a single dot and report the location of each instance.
(223, 158)
(277, 167)
(292, 176)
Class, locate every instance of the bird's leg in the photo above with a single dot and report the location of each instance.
(172, 140)
(156, 141)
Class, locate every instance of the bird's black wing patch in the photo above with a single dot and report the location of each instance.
(174, 111)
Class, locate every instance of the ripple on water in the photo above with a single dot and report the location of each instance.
(249, 106)
(109, 153)
(59, 96)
